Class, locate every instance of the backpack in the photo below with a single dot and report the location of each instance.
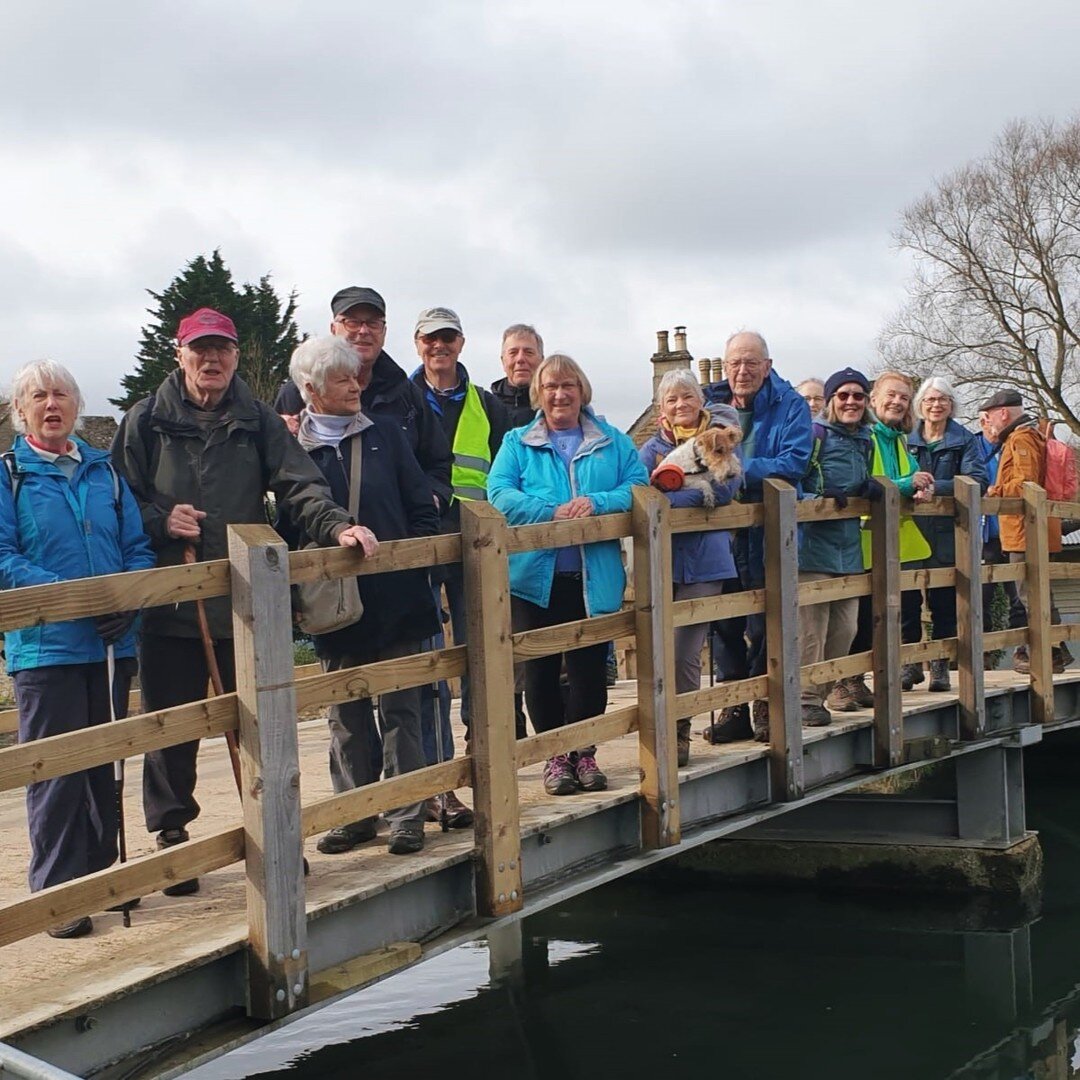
(1060, 480)
(17, 476)
(821, 433)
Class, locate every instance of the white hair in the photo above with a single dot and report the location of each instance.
(749, 333)
(936, 383)
(40, 375)
(313, 362)
(679, 379)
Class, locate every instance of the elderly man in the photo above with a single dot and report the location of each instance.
(1022, 457)
(474, 423)
(522, 351)
(199, 454)
(777, 441)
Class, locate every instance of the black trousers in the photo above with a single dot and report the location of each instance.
(586, 669)
(173, 671)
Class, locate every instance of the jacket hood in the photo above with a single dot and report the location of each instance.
(237, 404)
(1021, 421)
(771, 389)
(386, 373)
(29, 461)
(506, 391)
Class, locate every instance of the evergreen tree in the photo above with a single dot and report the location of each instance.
(265, 326)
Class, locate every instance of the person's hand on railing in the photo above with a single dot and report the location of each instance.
(581, 506)
(359, 536)
(183, 522)
(837, 495)
(923, 484)
(111, 628)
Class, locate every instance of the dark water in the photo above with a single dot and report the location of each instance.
(652, 977)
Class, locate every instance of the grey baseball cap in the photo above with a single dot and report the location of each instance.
(437, 318)
(353, 296)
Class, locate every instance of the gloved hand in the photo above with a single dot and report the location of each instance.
(111, 628)
(837, 494)
(872, 490)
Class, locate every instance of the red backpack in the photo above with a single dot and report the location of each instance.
(1060, 483)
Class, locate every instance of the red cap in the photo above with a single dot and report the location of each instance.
(668, 477)
(206, 322)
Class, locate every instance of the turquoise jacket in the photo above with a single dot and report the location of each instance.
(62, 530)
(528, 480)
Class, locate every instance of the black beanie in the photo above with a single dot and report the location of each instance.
(839, 378)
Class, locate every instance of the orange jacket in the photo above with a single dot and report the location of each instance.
(1023, 458)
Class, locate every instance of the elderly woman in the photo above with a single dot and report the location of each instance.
(64, 514)
(812, 391)
(945, 450)
(399, 613)
(701, 561)
(568, 463)
(839, 468)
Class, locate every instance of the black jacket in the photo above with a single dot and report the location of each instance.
(395, 502)
(391, 394)
(515, 400)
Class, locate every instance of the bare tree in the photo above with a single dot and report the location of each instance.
(995, 298)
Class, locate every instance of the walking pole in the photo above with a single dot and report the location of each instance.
(436, 710)
(712, 683)
(118, 773)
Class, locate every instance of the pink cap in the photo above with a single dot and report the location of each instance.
(206, 322)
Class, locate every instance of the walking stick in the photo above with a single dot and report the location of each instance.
(712, 683)
(436, 709)
(118, 773)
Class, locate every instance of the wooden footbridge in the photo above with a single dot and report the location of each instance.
(262, 944)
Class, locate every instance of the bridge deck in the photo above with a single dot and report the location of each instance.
(42, 979)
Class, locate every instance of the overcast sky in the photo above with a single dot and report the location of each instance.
(602, 170)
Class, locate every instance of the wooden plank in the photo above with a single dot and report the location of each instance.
(939, 577)
(484, 552)
(548, 640)
(362, 970)
(370, 680)
(885, 576)
(827, 590)
(660, 823)
(1065, 632)
(843, 667)
(969, 608)
(939, 506)
(1062, 571)
(696, 702)
(782, 641)
(277, 970)
(58, 755)
(918, 652)
(726, 606)
(732, 516)
(592, 731)
(139, 877)
(372, 799)
(825, 510)
(998, 505)
(35, 605)
(560, 534)
(311, 564)
(1005, 639)
(1037, 561)
(1060, 509)
(1001, 572)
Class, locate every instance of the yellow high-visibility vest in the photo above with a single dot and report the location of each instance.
(471, 449)
(913, 545)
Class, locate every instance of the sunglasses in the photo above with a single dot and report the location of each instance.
(851, 395)
(447, 337)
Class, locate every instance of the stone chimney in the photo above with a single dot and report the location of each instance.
(664, 360)
(703, 371)
(717, 369)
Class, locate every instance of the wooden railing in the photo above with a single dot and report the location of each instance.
(263, 709)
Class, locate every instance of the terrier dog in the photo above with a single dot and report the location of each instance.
(700, 462)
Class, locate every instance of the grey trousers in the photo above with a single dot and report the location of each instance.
(826, 632)
(353, 733)
(689, 640)
(1022, 591)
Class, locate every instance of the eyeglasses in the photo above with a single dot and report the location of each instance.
(447, 337)
(352, 325)
(554, 387)
(935, 402)
(746, 365)
(851, 395)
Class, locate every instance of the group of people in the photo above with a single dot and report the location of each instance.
(356, 451)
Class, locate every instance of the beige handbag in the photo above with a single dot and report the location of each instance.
(325, 606)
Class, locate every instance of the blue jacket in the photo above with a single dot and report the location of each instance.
(843, 463)
(65, 530)
(988, 451)
(957, 454)
(528, 480)
(781, 442)
(697, 556)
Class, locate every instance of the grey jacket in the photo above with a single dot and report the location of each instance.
(168, 458)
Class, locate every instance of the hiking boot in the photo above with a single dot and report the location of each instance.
(842, 698)
(345, 837)
(911, 675)
(815, 716)
(458, 815)
(406, 839)
(589, 776)
(560, 777)
(682, 743)
(939, 676)
(76, 928)
(1061, 658)
(167, 838)
(1021, 660)
(759, 720)
(732, 725)
(861, 692)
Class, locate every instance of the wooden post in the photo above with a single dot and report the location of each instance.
(885, 597)
(1037, 558)
(654, 630)
(782, 641)
(270, 769)
(492, 736)
(969, 607)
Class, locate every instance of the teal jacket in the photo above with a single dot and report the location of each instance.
(528, 480)
(62, 530)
